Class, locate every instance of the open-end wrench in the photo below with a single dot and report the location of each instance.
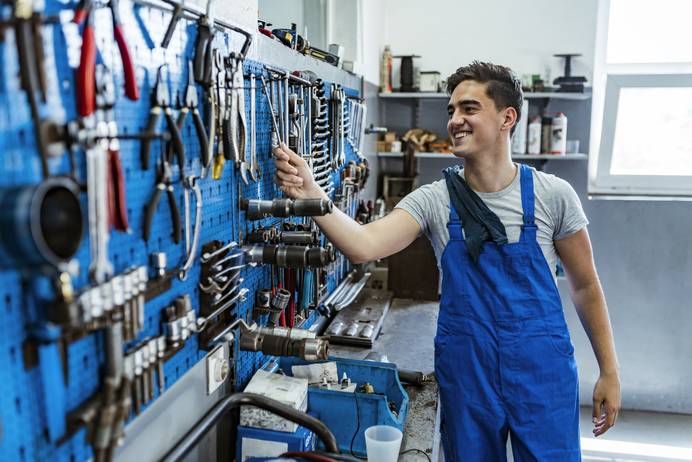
(192, 183)
(275, 132)
(206, 256)
(255, 172)
(238, 123)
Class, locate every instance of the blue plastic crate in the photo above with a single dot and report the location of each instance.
(300, 440)
(349, 414)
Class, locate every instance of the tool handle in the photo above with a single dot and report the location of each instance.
(118, 180)
(201, 134)
(226, 139)
(175, 214)
(177, 14)
(179, 123)
(176, 140)
(112, 200)
(80, 15)
(145, 147)
(151, 210)
(86, 79)
(202, 62)
(131, 88)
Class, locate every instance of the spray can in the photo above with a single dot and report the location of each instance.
(519, 137)
(558, 137)
(546, 127)
(535, 136)
(386, 71)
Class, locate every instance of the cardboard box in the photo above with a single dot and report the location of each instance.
(390, 136)
(287, 390)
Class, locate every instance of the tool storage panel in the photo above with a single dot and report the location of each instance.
(126, 250)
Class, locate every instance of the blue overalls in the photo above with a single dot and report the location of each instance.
(503, 357)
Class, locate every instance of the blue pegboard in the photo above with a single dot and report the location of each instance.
(22, 403)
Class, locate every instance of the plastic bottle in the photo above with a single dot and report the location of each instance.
(546, 127)
(519, 137)
(386, 71)
(535, 136)
(558, 134)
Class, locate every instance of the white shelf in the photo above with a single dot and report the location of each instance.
(426, 95)
(414, 95)
(437, 155)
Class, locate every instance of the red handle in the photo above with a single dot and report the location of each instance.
(79, 15)
(86, 80)
(116, 177)
(131, 89)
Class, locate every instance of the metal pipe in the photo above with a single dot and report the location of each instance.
(232, 403)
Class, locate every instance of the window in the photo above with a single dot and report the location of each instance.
(641, 125)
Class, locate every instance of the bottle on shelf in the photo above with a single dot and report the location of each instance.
(519, 137)
(546, 126)
(558, 134)
(534, 146)
(386, 71)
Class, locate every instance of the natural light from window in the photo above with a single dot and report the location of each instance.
(653, 132)
(640, 31)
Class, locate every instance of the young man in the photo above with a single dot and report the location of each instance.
(503, 357)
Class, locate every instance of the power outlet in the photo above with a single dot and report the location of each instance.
(217, 368)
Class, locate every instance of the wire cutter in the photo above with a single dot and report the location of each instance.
(163, 183)
(85, 80)
(161, 103)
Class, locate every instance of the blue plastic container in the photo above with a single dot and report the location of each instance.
(349, 414)
(300, 440)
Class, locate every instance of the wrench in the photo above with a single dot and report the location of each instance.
(100, 267)
(238, 124)
(191, 183)
(255, 172)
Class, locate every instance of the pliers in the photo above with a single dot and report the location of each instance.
(85, 79)
(163, 183)
(161, 103)
(191, 105)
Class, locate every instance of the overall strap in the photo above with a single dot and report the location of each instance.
(527, 197)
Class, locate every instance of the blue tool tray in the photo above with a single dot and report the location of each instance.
(348, 414)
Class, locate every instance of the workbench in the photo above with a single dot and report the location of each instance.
(406, 339)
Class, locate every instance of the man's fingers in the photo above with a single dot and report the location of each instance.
(611, 413)
(294, 158)
(596, 409)
(284, 166)
(288, 179)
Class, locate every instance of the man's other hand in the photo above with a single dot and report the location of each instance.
(606, 403)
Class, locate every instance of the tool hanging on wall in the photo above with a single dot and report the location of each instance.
(105, 107)
(204, 60)
(85, 83)
(161, 103)
(163, 183)
(191, 105)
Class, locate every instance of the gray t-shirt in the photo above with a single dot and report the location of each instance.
(558, 211)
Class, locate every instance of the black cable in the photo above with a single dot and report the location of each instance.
(417, 451)
(355, 395)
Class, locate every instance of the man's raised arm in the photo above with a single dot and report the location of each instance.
(360, 243)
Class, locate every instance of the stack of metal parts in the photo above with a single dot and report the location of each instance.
(355, 125)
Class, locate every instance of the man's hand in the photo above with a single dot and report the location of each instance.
(293, 175)
(606, 402)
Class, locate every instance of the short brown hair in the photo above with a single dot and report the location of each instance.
(504, 88)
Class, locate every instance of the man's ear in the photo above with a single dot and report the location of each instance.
(510, 118)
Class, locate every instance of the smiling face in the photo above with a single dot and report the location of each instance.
(475, 124)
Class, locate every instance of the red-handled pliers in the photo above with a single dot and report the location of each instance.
(86, 91)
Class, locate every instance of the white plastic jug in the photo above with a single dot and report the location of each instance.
(382, 443)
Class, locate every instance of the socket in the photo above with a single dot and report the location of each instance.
(217, 368)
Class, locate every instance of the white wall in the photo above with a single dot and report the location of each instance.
(375, 25)
(520, 34)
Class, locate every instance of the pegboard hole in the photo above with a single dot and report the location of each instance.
(13, 354)
(85, 362)
(8, 302)
(18, 405)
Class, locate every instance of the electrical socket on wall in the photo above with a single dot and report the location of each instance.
(217, 368)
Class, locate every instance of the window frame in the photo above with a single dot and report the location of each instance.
(608, 80)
